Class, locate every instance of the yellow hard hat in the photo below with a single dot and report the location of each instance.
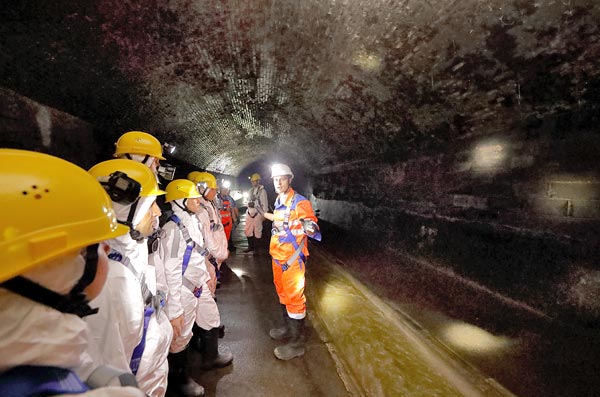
(138, 142)
(203, 177)
(134, 170)
(181, 188)
(50, 207)
(255, 177)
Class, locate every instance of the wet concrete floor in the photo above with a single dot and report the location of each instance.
(525, 353)
(249, 309)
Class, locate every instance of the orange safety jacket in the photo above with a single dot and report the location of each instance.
(288, 231)
(225, 211)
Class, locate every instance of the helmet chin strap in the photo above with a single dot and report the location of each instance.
(184, 207)
(75, 302)
(136, 235)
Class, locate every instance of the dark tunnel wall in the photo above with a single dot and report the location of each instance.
(517, 213)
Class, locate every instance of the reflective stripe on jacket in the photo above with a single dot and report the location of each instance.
(299, 208)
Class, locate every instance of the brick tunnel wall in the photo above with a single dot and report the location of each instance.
(517, 214)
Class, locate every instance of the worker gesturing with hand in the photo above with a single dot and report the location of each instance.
(293, 222)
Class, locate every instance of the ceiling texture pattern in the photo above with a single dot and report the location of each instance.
(313, 82)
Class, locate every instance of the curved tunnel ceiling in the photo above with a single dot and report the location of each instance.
(316, 83)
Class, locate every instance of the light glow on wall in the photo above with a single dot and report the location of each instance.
(367, 62)
(489, 155)
(467, 337)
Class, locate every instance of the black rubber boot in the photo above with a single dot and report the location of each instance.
(250, 245)
(282, 332)
(179, 381)
(196, 341)
(257, 246)
(211, 358)
(295, 346)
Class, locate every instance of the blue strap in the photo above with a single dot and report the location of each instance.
(136, 357)
(38, 381)
(188, 248)
(186, 258)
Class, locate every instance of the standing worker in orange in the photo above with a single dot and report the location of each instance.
(228, 210)
(293, 222)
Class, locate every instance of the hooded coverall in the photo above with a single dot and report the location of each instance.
(181, 298)
(213, 233)
(289, 278)
(35, 334)
(117, 301)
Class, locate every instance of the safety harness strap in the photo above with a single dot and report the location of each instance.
(136, 357)
(289, 237)
(191, 246)
(30, 381)
(214, 224)
(297, 253)
(153, 303)
(141, 277)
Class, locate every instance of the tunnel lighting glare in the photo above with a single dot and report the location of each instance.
(168, 148)
(245, 195)
(470, 338)
(335, 298)
(226, 184)
(367, 62)
(236, 194)
(238, 272)
(489, 155)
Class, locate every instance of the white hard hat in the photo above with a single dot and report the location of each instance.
(280, 170)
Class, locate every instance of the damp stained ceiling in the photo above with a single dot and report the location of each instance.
(317, 83)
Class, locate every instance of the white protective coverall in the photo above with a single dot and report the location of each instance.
(35, 334)
(120, 299)
(118, 327)
(180, 299)
(216, 242)
(254, 216)
(214, 236)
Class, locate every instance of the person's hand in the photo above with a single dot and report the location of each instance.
(212, 283)
(269, 216)
(177, 324)
(251, 204)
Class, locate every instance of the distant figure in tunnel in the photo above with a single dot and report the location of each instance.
(229, 212)
(257, 206)
(55, 217)
(293, 221)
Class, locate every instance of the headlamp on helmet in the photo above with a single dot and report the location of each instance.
(121, 188)
(169, 148)
(167, 171)
(202, 186)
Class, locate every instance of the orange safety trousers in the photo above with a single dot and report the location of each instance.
(289, 285)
